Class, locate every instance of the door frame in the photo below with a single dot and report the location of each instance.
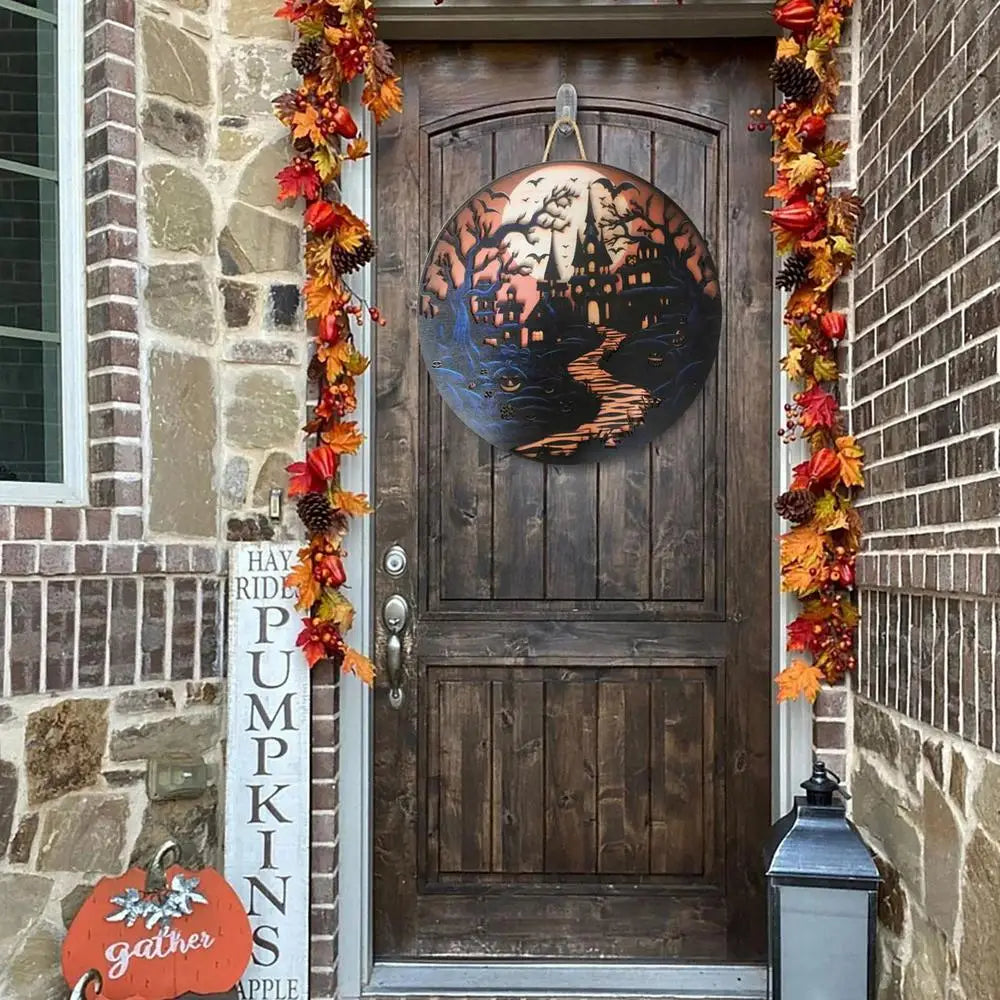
(791, 722)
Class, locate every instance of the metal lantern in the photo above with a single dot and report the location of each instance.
(822, 892)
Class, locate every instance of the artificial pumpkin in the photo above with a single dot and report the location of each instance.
(193, 935)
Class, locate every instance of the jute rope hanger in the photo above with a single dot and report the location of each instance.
(571, 122)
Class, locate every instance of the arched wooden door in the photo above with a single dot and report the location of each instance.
(581, 762)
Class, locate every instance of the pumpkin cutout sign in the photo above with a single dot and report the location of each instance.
(160, 934)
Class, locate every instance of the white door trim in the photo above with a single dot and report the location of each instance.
(791, 742)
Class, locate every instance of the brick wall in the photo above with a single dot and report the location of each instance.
(926, 391)
(925, 398)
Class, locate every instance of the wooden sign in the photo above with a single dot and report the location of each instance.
(567, 309)
(189, 934)
(267, 771)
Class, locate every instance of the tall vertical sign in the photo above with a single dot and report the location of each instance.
(267, 772)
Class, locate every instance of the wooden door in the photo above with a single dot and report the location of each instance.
(581, 762)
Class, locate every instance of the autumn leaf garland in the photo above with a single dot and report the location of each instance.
(337, 43)
(814, 230)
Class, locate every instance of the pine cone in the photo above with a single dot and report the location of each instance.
(306, 57)
(794, 79)
(796, 506)
(793, 273)
(347, 261)
(315, 513)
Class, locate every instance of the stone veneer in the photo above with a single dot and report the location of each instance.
(929, 805)
(222, 328)
(112, 616)
(73, 806)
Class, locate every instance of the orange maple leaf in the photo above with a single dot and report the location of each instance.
(382, 99)
(335, 357)
(306, 125)
(360, 666)
(357, 149)
(344, 437)
(800, 580)
(799, 678)
(321, 298)
(354, 504)
(302, 579)
(850, 455)
(803, 545)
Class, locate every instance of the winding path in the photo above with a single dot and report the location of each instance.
(623, 406)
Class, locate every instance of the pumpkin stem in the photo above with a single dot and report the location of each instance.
(80, 990)
(155, 876)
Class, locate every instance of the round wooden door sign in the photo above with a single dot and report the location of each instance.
(567, 309)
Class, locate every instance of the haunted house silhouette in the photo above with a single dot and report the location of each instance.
(632, 298)
(592, 285)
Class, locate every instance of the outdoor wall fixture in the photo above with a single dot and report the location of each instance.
(822, 888)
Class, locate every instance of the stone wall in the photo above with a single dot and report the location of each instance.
(112, 615)
(219, 303)
(73, 806)
(929, 804)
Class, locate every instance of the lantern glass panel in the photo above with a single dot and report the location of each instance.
(824, 943)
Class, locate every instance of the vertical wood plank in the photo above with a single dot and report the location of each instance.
(624, 481)
(464, 459)
(623, 744)
(571, 506)
(570, 776)
(678, 548)
(518, 483)
(677, 777)
(465, 788)
(518, 777)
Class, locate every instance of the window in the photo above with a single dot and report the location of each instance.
(42, 316)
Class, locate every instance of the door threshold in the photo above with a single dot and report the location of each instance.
(582, 980)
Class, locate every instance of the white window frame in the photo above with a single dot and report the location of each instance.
(69, 177)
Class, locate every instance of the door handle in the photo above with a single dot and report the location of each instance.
(395, 616)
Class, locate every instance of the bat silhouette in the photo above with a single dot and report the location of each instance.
(497, 194)
(535, 256)
(615, 191)
(535, 181)
(574, 179)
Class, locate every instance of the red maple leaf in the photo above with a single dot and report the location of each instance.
(298, 180)
(292, 10)
(819, 408)
(802, 636)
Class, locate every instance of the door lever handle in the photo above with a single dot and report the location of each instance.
(395, 616)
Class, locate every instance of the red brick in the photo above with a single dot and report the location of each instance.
(116, 457)
(65, 524)
(118, 352)
(98, 524)
(114, 387)
(89, 559)
(55, 560)
(18, 558)
(111, 210)
(111, 279)
(128, 526)
(29, 522)
(119, 316)
(115, 422)
(109, 106)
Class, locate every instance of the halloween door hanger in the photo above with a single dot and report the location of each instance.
(569, 308)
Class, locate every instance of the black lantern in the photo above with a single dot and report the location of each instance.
(822, 897)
